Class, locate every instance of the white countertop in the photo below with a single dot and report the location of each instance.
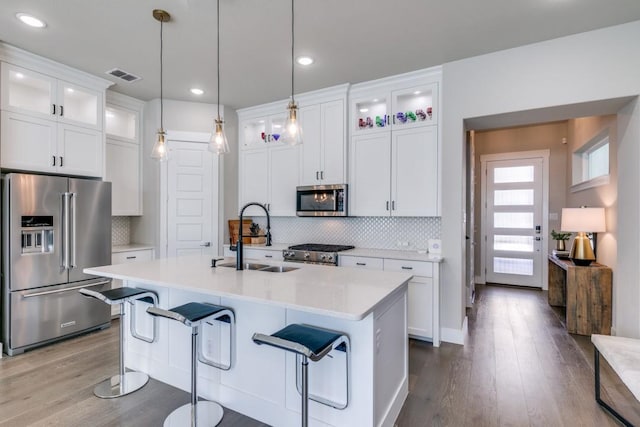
(363, 252)
(130, 247)
(339, 292)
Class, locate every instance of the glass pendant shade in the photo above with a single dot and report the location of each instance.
(218, 143)
(292, 134)
(160, 151)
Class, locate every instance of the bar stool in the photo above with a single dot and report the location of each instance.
(125, 382)
(309, 342)
(193, 314)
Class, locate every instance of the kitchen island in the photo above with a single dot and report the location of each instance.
(369, 306)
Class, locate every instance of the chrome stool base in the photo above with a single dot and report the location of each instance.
(119, 385)
(208, 414)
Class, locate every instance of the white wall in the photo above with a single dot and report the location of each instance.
(586, 67)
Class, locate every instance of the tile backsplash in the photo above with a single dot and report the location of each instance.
(363, 232)
(120, 230)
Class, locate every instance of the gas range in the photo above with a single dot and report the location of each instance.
(314, 253)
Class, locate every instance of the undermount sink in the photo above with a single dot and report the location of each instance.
(260, 267)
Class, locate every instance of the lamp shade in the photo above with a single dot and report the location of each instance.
(583, 219)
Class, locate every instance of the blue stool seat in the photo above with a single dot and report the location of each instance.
(125, 382)
(193, 314)
(309, 342)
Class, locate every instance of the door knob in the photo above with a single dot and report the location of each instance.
(206, 244)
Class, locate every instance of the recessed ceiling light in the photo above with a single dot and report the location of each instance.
(196, 91)
(417, 92)
(364, 110)
(30, 20)
(304, 60)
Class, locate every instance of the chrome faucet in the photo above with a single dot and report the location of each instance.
(239, 253)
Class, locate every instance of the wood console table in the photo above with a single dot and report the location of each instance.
(586, 294)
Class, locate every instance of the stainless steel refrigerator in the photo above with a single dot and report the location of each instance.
(52, 228)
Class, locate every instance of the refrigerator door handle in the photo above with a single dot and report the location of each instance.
(57, 291)
(73, 197)
(65, 231)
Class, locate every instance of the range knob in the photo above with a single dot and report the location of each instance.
(307, 255)
(323, 257)
(330, 258)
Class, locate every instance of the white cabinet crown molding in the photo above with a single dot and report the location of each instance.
(413, 78)
(23, 58)
(125, 101)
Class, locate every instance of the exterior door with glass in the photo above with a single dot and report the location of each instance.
(513, 221)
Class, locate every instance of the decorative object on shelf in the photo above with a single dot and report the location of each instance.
(583, 220)
(254, 231)
(411, 116)
(401, 117)
(218, 143)
(369, 122)
(276, 136)
(560, 238)
(379, 122)
(292, 132)
(361, 123)
(421, 114)
(429, 112)
(159, 151)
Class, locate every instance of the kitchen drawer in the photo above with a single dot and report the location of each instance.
(262, 254)
(361, 262)
(417, 268)
(132, 256)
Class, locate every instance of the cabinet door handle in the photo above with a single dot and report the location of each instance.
(317, 176)
(387, 205)
(361, 263)
(321, 174)
(393, 205)
(61, 162)
(394, 119)
(132, 257)
(407, 268)
(53, 109)
(61, 110)
(54, 161)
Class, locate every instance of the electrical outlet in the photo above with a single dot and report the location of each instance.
(402, 243)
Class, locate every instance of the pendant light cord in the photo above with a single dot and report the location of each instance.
(161, 94)
(218, 52)
(292, 45)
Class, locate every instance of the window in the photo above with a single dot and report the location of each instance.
(590, 163)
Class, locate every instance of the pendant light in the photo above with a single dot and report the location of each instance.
(292, 134)
(218, 143)
(159, 151)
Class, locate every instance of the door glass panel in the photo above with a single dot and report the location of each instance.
(513, 243)
(277, 127)
(519, 266)
(513, 174)
(79, 105)
(120, 123)
(255, 132)
(30, 92)
(414, 106)
(513, 219)
(513, 197)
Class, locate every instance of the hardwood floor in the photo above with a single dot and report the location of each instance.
(519, 367)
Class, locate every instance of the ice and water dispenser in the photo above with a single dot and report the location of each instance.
(37, 234)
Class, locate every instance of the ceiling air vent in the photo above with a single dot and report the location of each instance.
(123, 75)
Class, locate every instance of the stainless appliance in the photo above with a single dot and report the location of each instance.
(52, 228)
(314, 253)
(321, 200)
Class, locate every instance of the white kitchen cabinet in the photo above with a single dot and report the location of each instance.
(128, 254)
(123, 117)
(261, 131)
(370, 174)
(51, 121)
(323, 150)
(254, 180)
(34, 144)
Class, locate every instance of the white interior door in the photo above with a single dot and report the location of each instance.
(513, 221)
(192, 199)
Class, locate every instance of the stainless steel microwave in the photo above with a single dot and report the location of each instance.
(321, 200)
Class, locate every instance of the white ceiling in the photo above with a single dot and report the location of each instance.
(352, 41)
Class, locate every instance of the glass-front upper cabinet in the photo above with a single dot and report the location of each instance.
(121, 123)
(261, 131)
(27, 92)
(414, 106)
(79, 105)
(370, 114)
(35, 94)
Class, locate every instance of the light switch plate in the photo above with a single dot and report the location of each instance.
(435, 246)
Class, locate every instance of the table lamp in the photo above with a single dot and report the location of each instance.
(582, 221)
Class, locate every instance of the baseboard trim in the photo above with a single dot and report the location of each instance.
(455, 336)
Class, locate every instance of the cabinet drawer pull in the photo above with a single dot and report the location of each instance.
(268, 256)
(132, 257)
(407, 268)
(361, 263)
